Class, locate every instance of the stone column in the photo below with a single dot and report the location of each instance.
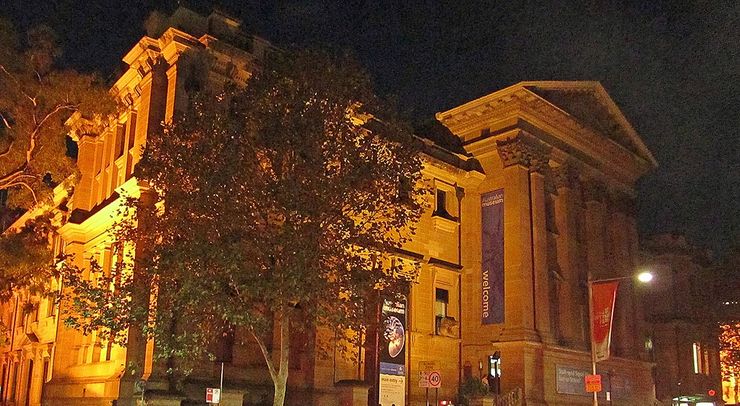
(593, 196)
(85, 193)
(538, 200)
(595, 240)
(567, 253)
(626, 334)
(524, 252)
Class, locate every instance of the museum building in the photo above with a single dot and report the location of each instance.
(533, 196)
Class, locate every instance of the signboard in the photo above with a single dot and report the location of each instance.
(593, 383)
(603, 295)
(427, 365)
(570, 381)
(213, 395)
(430, 379)
(392, 387)
(392, 390)
(139, 386)
(492, 266)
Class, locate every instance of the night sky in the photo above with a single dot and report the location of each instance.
(673, 67)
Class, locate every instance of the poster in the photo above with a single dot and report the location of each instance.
(603, 296)
(492, 266)
(392, 388)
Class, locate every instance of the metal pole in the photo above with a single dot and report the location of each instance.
(591, 330)
(427, 396)
(436, 396)
(221, 386)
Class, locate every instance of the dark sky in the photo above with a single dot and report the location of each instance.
(673, 67)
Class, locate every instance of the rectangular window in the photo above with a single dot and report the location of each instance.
(696, 352)
(108, 350)
(440, 208)
(131, 130)
(441, 302)
(120, 140)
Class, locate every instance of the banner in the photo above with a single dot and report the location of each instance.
(603, 296)
(492, 266)
(392, 388)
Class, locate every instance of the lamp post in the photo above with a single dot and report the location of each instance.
(643, 277)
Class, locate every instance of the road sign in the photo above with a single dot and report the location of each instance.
(139, 386)
(213, 395)
(435, 379)
(430, 379)
(593, 383)
(427, 365)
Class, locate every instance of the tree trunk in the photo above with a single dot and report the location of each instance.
(279, 376)
(280, 380)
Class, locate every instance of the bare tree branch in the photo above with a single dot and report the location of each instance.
(7, 151)
(5, 121)
(34, 134)
(20, 88)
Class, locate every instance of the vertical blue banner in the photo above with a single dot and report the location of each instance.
(492, 267)
(392, 382)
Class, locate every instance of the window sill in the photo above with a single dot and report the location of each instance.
(447, 224)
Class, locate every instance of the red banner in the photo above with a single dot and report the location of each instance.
(603, 296)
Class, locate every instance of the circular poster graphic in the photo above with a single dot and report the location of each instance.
(394, 333)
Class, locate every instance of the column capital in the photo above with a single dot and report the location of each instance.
(623, 202)
(565, 176)
(521, 150)
(593, 190)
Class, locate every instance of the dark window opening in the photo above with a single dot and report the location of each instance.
(440, 207)
(441, 302)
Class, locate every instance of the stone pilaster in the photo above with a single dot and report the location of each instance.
(538, 201)
(623, 264)
(570, 319)
(525, 247)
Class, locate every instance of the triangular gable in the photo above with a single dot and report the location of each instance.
(589, 103)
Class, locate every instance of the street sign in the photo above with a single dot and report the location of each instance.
(435, 379)
(593, 383)
(430, 379)
(427, 365)
(139, 386)
(213, 395)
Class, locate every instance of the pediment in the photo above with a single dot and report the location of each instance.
(589, 104)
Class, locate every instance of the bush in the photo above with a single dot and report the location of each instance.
(472, 387)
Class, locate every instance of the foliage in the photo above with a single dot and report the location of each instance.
(35, 100)
(25, 257)
(472, 387)
(274, 207)
(729, 350)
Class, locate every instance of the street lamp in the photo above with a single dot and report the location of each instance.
(607, 297)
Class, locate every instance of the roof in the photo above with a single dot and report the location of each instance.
(587, 102)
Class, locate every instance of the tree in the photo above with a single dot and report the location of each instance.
(25, 257)
(274, 207)
(729, 354)
(35, 100)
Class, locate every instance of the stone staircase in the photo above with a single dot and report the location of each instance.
(513, 398)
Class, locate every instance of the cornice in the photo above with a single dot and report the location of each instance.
(524, 150)
(100, 222)
(517, 103)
